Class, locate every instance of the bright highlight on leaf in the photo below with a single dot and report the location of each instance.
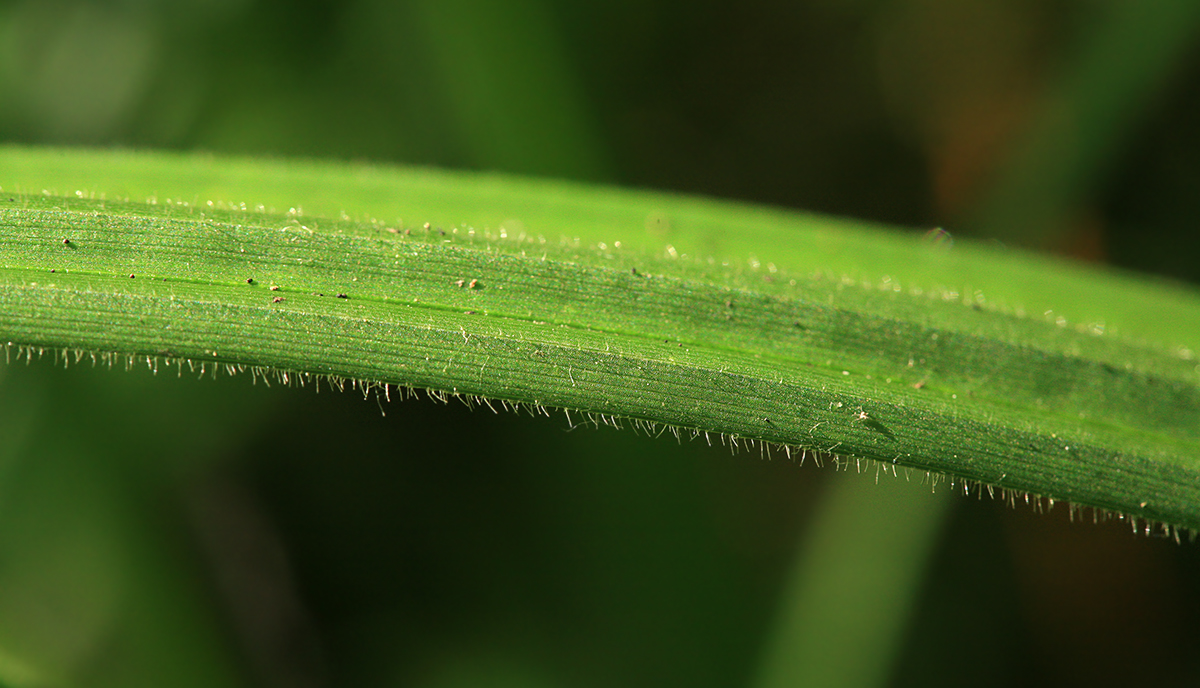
(735, 323)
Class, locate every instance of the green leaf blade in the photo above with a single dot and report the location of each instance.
(866, 360)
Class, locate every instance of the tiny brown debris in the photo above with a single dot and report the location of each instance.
(918, 385)
(342, 296)
(473, 284)
(277, 299)
(249, 280)
(131, 275)
(274, 287)
(460, 282)
(66, 242)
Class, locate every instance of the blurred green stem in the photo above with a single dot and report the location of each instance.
(857, 574)
(1121, 61)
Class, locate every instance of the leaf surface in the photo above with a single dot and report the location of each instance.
(991, 365)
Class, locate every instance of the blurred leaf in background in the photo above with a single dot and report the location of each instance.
(155, 530)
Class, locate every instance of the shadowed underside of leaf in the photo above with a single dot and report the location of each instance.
(1010, 370)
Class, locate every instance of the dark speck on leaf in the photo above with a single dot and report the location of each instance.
(342, 296)
(879, 428)
(66, 241)
(249, 280)
(131, 275)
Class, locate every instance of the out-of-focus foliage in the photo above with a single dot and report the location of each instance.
(906, 112)
(307, 540)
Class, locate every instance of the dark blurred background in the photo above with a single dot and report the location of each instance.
(171, 532)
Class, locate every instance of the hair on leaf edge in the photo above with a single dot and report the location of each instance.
(383, 391)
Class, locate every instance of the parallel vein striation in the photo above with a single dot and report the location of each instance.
(804, 361)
